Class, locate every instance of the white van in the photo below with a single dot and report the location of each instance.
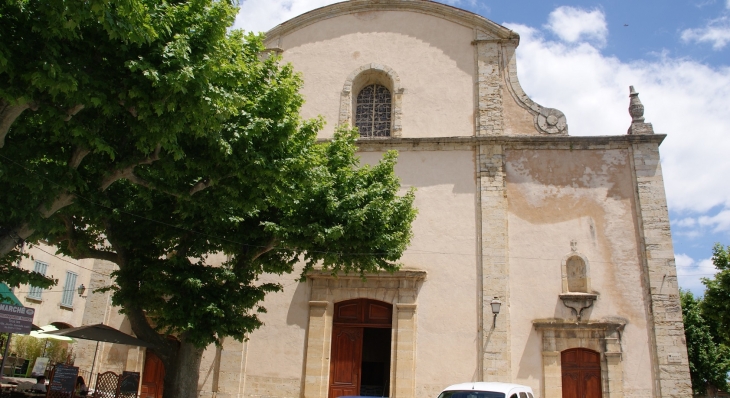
(487, 390)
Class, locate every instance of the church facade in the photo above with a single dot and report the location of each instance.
(538, 258)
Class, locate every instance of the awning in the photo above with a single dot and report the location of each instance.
(6, 294)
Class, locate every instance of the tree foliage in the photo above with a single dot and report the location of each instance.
(162, 148)
(89, 91)
(709, 361)
(716, 302)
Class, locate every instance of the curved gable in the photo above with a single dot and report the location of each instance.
(489, 29)
(457, 70)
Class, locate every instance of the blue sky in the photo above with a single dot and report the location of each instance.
(579, 57)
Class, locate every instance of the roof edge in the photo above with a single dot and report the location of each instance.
(428, 7)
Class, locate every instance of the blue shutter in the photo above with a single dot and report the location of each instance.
(41, 268)
(68, 289)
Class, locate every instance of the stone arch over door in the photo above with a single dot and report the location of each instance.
(399, 289)
(601, 338)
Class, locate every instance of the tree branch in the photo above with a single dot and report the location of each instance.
(205, 183)
(14, 237)
(73, 111)
(8, 114)
(81, 253)
(77, 157)
(269, 247)
(128, 172)
(200, 185)
(62, 200)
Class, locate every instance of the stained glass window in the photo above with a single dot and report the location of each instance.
(372, 116)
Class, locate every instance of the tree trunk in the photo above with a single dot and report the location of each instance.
(181, 375)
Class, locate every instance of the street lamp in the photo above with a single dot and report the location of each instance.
(82, 289)
(496, 305)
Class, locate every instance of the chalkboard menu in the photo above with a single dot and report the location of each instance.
(129, 383)
(63, 380)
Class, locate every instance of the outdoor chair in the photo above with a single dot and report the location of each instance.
(106, 385)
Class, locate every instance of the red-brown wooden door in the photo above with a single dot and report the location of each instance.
(581, 373)
(345, 361)
(153, 378)
(350, 319)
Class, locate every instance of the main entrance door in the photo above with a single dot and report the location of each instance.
(360, 359)
(581, 371)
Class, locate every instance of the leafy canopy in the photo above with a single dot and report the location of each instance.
(89, 91)
(709, 361)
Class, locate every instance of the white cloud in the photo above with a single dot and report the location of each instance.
(719, 222)
(686, 222)
(716, 32)
(572, 24)
(683, 98)
(691, 272)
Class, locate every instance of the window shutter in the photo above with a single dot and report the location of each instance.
(68, 289)
(41, 268)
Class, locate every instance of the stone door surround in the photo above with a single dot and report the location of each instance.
(602, 337)
(399, 289)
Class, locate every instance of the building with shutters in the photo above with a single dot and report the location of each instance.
(568, 235)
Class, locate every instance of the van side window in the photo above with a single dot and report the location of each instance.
(530, 394)
(523, 395)
(513, 395)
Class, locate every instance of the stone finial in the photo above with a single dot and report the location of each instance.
(636, 110)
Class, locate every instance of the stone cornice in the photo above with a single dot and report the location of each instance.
(543, 141)
(413, 274)
(555, 324)
(444, 11)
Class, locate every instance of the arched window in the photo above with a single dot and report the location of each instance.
(372, 114)
(577, 275)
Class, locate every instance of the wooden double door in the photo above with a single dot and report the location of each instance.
(581, 373)
(360, 324)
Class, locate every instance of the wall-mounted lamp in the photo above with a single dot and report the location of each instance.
(81, 290)
(496, 305)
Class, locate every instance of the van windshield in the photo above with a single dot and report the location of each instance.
(471, 394)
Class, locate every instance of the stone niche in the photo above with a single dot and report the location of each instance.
(577, 294)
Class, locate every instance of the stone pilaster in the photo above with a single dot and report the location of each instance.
(405, 350)
(317, 357)
(489, 93)
(551, 367)
(671, 365)
(495, 267)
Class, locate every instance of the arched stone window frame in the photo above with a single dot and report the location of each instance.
(564, 269)
(364, 76)
(399, 289)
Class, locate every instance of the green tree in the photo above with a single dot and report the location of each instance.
(189, 143)
(709, 362)
(716, 303)
(92, 90)
(306, 202)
